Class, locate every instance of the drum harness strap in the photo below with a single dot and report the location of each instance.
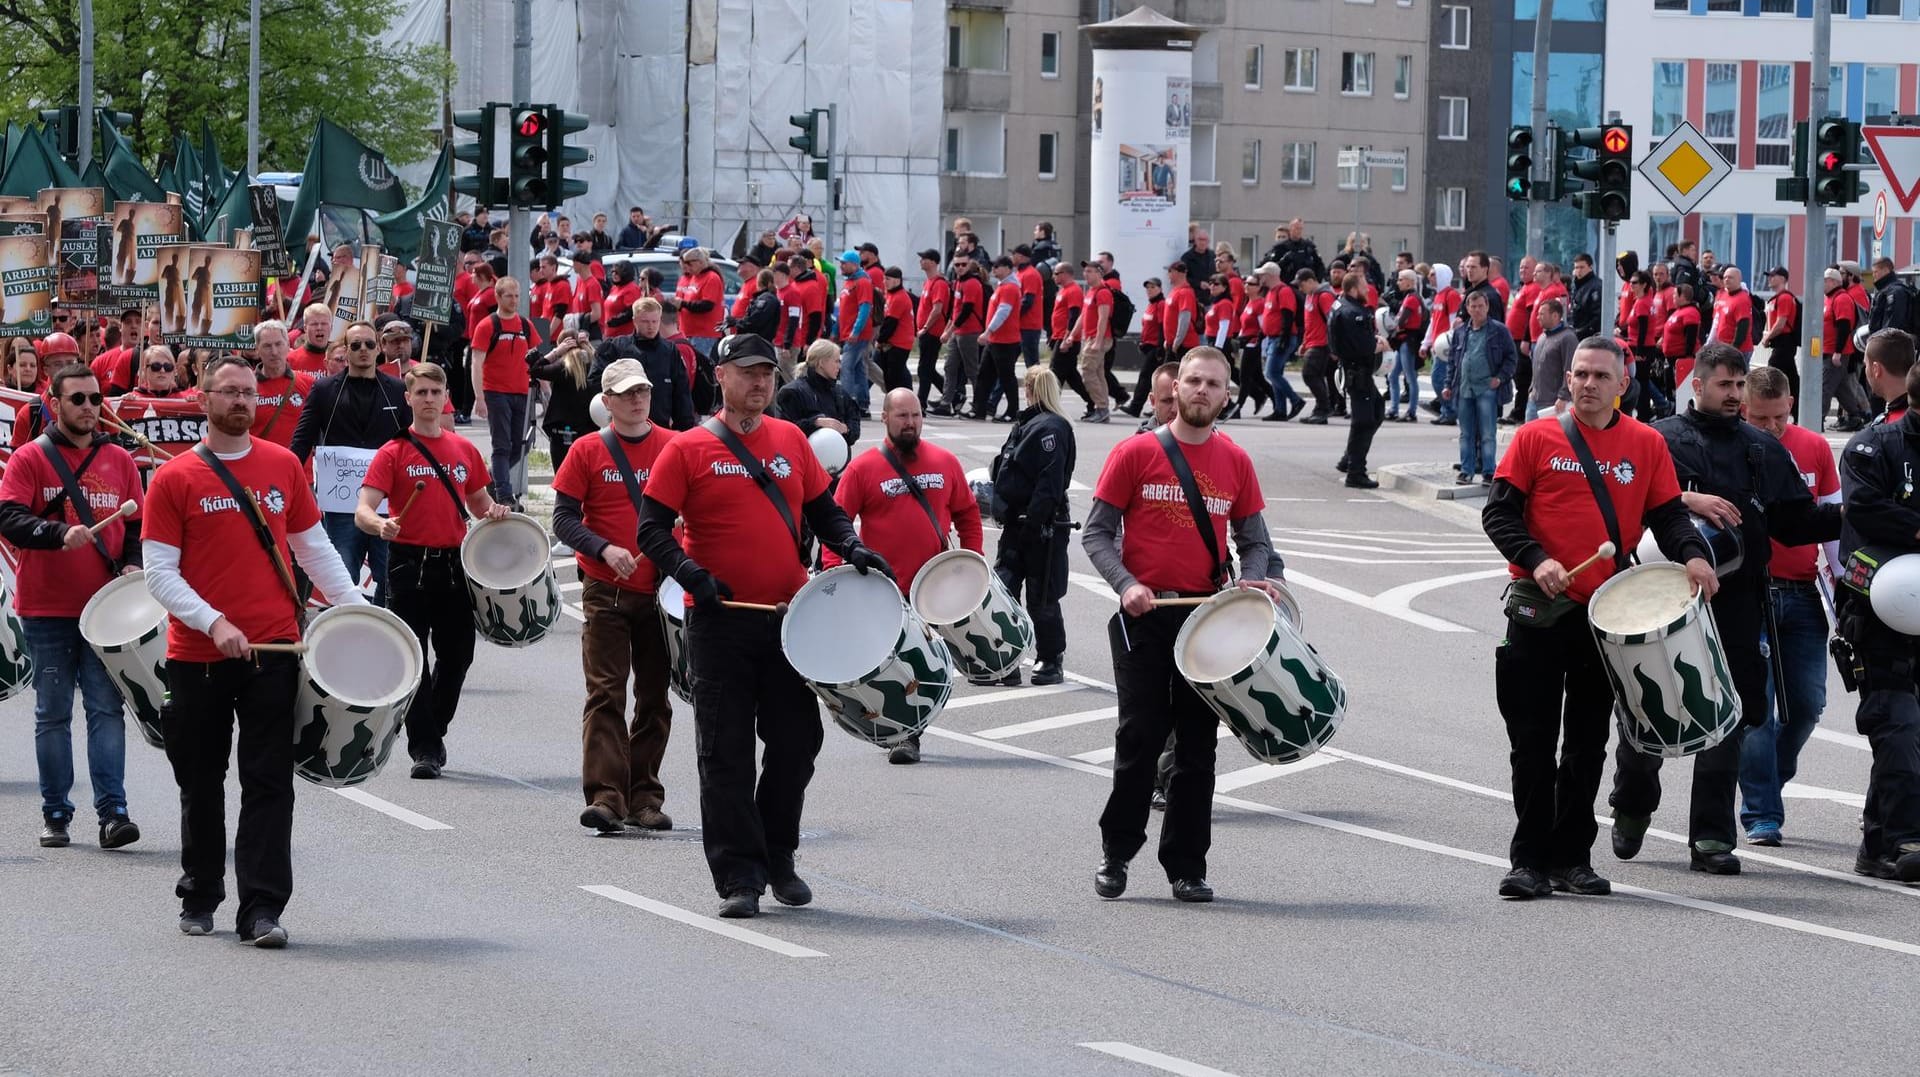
(244, 500)
(759, 475)
(1202, 520)
(612, 442)
(71, 492)
(940, 533)
(1591, 468)
(441, 473)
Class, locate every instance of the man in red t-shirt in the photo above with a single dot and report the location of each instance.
(1003, 343)
(856, 317)
(1316, 364)
(316, 327)
(1838, 378)
(740, 542)
(619, 302)
(423, 470)
(1549, 679)
(699, 299)
(963, 330)
(283, 391)
(596, 511)
(1182, 328)
(1733, 313)
(1093, 337)
(1145, 541)
(585, 295)
(61, 567)
(895, 334)
(1033, 303)
(224, 592)
(501, 381)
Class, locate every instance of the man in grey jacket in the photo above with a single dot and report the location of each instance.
(1552, 356)
(1484, 359)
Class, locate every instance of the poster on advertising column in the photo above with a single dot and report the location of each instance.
(1149, 181)
(1179, 109)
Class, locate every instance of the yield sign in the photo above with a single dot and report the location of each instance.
(1898, 151)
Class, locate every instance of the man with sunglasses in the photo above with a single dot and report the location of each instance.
(354, 413)
(61, 567)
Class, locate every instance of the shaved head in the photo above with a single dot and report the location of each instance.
(901, 413)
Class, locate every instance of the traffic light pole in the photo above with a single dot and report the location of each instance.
(1812, 364)
(1542, 50)
(86, 85)
(833, 176)
(519, 227)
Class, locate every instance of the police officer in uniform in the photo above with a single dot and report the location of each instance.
(1030, 478)
(1738, 478)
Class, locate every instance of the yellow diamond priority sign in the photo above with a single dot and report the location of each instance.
(1684, 167)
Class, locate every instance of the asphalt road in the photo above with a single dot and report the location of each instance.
(471, 925)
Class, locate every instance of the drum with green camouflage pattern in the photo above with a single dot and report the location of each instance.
(883, 674)
(1270, 686)
(127, 629)
(16, 662)
(509, 569)
(672, 605)
(1672, 689)
(991, 634)
(360, 671)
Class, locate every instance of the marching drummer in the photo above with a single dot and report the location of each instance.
(741, 483)
(1739, 478)
(1146, 539)
(1544, 515)
(908, 495)
(210, 517)
(596, 510)
(54, 489)
(432, 479)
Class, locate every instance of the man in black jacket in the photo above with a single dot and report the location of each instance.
(1583, 310)
(1356, 347)
(1292, 251)
(1199, 257)
(1892, 306)
(672, 405)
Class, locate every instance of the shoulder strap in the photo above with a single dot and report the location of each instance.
(759, 475)
(420, 447)
(248, 508)
(913, 485)
(1202, 519)
(293, 384)
(614, 449)
(1591, 468)
(70, 490)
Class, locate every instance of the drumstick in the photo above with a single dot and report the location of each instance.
(1183, 601)
(418, 485)
(126, 508)
(280, 648)
(779, 607)
(1607, 549)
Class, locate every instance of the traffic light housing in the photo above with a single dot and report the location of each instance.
(483, 186)
(1519, 163)
(64, 125)
(560, 124)
(1795, 187)
(1837, 145)
(527, 157)
(812, 139)
(1609, 170)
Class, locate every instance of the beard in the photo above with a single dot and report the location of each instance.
(1198, 414)
(906, 441)
(234, 422)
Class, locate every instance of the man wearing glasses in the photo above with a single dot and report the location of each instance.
(699, 299)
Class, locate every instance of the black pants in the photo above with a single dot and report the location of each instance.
(1065, 365)
(998, 369)
(1317, 369)
(427, 588)
(1253, 378)
(1889, 717)
(559, 440)
(929, 366)
(893, 369)
(743, 686)
(208, 700)
(1151, 356)
(1522, 385)
(1155, 700)
(460, 381)
(1553, 692)
(1785, 358)
(1039, 564)
(1739, 613)
(1368, 409)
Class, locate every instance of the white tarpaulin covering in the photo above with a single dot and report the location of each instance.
(689, 100)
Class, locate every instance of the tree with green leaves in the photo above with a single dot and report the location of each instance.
(173, 63)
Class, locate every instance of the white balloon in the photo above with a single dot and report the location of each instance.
(831, 448)
(597, 409)
(1895, 594)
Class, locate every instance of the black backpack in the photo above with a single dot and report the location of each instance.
(1123, 312)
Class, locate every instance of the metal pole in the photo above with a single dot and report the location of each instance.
(1542, 49)
(519, 226)
(253, 88)
(833, 175)
(1607, 293)
(1811, 362)
(85, 132)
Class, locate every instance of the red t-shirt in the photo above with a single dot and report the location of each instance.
(856, 291)
(1556, 290)
(279, 407)
(900, 309)
(1065, 302)
(1220, 313)
(551, 299)
(970, 293)
(58, 583)
(706, 285)
(1152, 331)
(1033, 318)
(1446, 307)
(24, 419)
(1275, 310)
(732, 529)
(877, 275)
(1782, 310)
(1237, 292)
(1839, 307)
(1092, 302)
(1644, 328)
(433, 519)
(305, 361)
(793, 315)
(1319, 306)
(814, 291)
(588, 476)
(1561, 514)
(189, 508)
(1673, 337)
(1520, 311)
(1182, 301)
(938, 293)
(505, 342)
(1005, 294)
(1729, 310)
(1250, 320)
(464, 288)
(483, 303)
(749, 288)
(113, 368)
(617, 316)
(1159, 543)
(584, 292)
(1506, 290)
(893, 523)
(1813, 458)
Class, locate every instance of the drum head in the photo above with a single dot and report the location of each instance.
(1226, 635)
(507, 553)
(673, 599)
(951, 586)
(841, 626)
(121, 612)
(363, 656)
(1645, 598)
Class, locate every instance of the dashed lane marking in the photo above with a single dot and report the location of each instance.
(705, 923)
(387, 807)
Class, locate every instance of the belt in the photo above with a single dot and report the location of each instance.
(422, 553)
(1807, 586)
(1184, 594)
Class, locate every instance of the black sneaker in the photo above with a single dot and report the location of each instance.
(601, 818)
(1629, 832)
(1581, 880)
(53, 835)
(1360, 480)
(1443, 422)
(1110, 878)
(740, 905)
(1907, 867)
(1045, 672)
(1873, 867)
(1713, 861)
(906, 752)
(1525, 884)
(266, 933)
(791, 890)
(425, 769)
(1341, 465)
(1465, 478)
(1193, 890)
(1314, 420)
(118, 831)
(1159, 801)
(196, 923)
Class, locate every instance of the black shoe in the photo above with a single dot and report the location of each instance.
(1195, 890)
(1465, 478)
(1110, 878)
(54, 834)
(1314, 420)
(1873, 867)
(1443, 422)
(118, 831)
(1048, 672)
(740, 905)
(940, 411)
(1341, 465)
(1232, 413)
(1629, 832)
(1526, 884)
(600, 817)
(907, 751)
(1410, 417)
(1159, 801)
(1299, 405)
(266, 933)
(1907, 867)
(791, 889)
(1713, 861)
(1102, 416)
(196, 923)
(425, 769)
(1432, 406)
(462, 419)
(1507, 420)
(1279, 414)
(1581, 880)
(1359, 480)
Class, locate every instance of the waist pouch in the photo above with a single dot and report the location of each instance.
(1527, 604)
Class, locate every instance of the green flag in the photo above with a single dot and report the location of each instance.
(218, 177)
(95, 176)
(401, 231)
(185, 178)
(35, 167)
(127, 179)
(341, 170)
(237, 209)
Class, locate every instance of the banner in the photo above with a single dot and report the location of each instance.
(341, 171)
(274, 261)
(26, 286)
(80, 259)
(67, 203)
(345, 290)
(433, 272)
(140, 231)
(222, 297)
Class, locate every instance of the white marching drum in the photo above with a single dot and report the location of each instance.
(880, 670)
(1243, 655)
(962, 598)
(509, 569)
(16, 662)
(361, 668)
(672, 602)
(127, 628)
(1673, 691)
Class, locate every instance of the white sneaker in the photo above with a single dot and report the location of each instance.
(561, 549)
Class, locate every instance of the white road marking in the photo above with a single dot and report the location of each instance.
(704, 923)
(1105, 755)
(1365, 546)
(576, 586)
(384, 807)
(1042, 725)
(1397, 557)
(1079, 678)
(1423, 539)
(1815, 792)
(574, 612)
(1851, 740)
(1260, 772)
(1163, 1063)
(1401, 597)
(1312, 500)
(1334, 590)
(1367, 501)
(1030, 692)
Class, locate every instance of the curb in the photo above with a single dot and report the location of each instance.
(1433, 481)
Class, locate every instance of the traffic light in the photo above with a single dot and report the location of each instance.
(527, 158)
(1519, 163)
(811, 140)
(1794, 188)
(483, 186)
(1837, 145)
(1610, 170)
(560, 124)
(64, 125)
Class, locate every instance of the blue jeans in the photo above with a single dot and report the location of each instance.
(1770, 756)
(853, 371)
(61, 659)
(704, 345)
(1277, 354)
(356, 548)
(1442, 370)
(507, 427)
(1477, 414)
(1406, 371)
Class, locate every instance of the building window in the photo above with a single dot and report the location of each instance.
(1669, 96)
(1050, 55)
(1722, 112)
(1887, 9)
(1302, 69)
(1839, 7)
(1256, 66)
(955, 47)
(1354, 176)
(1296, 164)
(1397, 177)
(1663, 231)
(1729, 7)
(1356, 74)
(1049, 152)
(1450, 209)
(1453, 119)
(1670, 5)
(1881, 90)
(1403, 77)
(1769, 244)
(1833, 242)
(1203, 154)
(952, 163)
(1250, 162)
(1836, 90)
(1456, 26)
(1776, 7)
(1773, 126)
(1716, 235)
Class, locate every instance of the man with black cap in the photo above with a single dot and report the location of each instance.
(1033, 306)
(1781, 334)
(740, 485)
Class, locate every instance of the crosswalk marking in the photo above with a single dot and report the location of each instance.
(1042, 725)
(691, 919)
(1260, 772)
(1031, 692)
